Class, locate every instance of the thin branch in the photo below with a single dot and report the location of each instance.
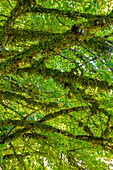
(16, 155)
(4, 15)
(28, 116)
(10, 108)
(108, 43)
(79, 92)
(10, 3)
(94, 55)
(73, 61)
(61, 22)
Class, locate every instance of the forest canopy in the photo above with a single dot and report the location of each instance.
(56, 82)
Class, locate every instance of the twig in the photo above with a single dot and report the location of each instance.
(94, 55)
(64, 57)
(79, 92)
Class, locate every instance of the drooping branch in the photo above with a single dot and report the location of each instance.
(66, 77)
(59, 113)
(69, 14)
(48, 128)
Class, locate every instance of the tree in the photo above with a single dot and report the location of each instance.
(56, 84)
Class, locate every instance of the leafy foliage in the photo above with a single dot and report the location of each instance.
(56, 82)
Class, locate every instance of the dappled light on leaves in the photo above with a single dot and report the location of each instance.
(56, 82)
